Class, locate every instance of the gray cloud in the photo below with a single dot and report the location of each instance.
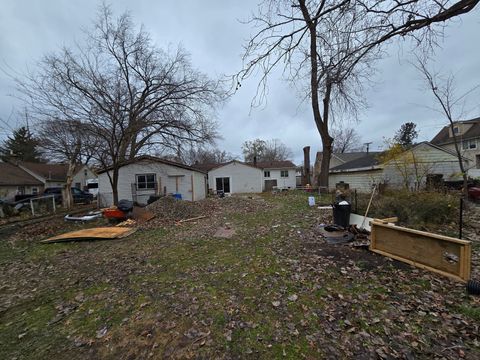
(211, 32)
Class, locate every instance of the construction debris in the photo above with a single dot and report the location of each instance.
(100, 233)
(441, 254)
(92, 215)
(127, 223)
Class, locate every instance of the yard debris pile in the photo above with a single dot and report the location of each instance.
(170, 211)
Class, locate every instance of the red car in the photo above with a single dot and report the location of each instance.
(474, 193)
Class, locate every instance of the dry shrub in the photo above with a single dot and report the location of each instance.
(413, 208)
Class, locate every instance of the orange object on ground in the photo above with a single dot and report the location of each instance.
(113, 213)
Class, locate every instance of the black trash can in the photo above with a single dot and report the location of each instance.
(341, 213)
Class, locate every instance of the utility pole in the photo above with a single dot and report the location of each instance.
(368, 145)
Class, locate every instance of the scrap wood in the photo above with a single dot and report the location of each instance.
(191, 219)
(92, 234)
(368, 206)
(438, 253)
(128, 222)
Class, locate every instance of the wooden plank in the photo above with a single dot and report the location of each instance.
(419, 265)
(93, 233)
(441, 254)
(393, 219)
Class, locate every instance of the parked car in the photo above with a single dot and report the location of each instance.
(79, 196)
(474, 193)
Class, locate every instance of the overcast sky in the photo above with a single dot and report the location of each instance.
(211, 31)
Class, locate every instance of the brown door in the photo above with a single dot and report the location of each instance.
(269, 184)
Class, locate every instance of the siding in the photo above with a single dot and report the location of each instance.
(9, 191)
(166, 179)
(81, 178)
(243, 178)
(361, 180)
(430, 160)
(282, 183)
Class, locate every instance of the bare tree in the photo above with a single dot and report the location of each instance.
(345, 139)
(67, 141)
(275, 150)
(205, 155)
(133, 96)
(444, 91)
(265, 150)
(333, 45)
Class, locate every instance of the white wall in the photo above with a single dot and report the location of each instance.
(243, 178)
(282, 183)
(81, 178)
(361, 180)
(165, 176)
(428, 160)
(9, 191)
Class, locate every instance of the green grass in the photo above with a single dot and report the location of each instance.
(155, 288)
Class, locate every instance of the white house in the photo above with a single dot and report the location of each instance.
(15, 181)
(144, 176)
(55, 175)
(412, 167)
(468, 138)
(239, 177)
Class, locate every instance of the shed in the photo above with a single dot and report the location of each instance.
(235, 177)
(146, 175)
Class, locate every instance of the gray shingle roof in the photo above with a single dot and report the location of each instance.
(14, 176)
(444, 137)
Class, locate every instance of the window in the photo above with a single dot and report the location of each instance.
(455, 130)
(146, 181)
(20, 190)
(223, 184)
(34, 191)
(469, 144)
(266, 173)
(284, 173)
(78, 185)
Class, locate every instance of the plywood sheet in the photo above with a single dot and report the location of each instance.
(93, 233)
(445, 255)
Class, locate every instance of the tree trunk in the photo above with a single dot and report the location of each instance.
(321, 122)
(114, 184)
(306, 166)
(67, 198)
(325, 165)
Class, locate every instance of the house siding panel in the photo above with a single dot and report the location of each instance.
(166, 176)
(243, 178)
(282, 182)
(363, 181)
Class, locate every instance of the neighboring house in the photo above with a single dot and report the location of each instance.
(16, 181)
(336, 159)
(468, 137)
(240, 177)
(144, 176)
(55, 175)
(411, 167)
(280, 174)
